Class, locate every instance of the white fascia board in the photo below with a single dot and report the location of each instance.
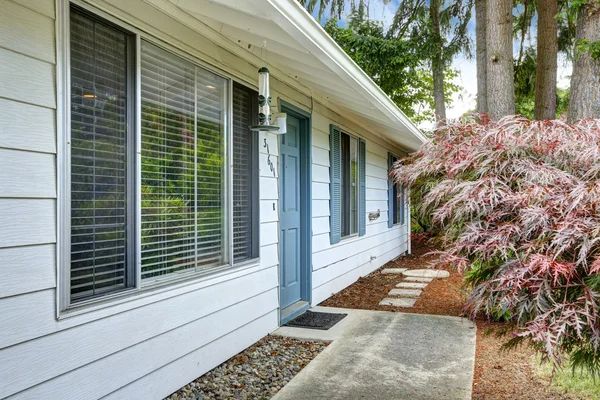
(292, 17)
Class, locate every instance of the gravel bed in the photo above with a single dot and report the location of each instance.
(257, 373)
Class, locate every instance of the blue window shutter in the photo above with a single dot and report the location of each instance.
(362, 191)
(335, 186)
(391, 199)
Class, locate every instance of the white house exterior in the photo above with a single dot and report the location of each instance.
(145, 234)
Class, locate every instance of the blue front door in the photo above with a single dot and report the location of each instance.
(289, 238)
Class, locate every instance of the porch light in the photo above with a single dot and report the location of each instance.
(264, 107)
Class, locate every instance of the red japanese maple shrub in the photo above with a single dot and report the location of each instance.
(517, 206)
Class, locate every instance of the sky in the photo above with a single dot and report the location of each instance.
(466, 99)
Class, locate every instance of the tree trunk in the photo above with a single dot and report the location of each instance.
(547, 64)
(585, 81)
(437, 65)
(480, 28)
(523, 32)
(500, 71)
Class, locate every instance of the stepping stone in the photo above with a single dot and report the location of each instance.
(426, 273)
(398, 302)
(413, 279)
(405, 292)
(393, 270)
(411, 285)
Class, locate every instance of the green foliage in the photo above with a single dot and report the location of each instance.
(395, 64)
(336, 7)
(413, 20)
(525, 73)
(588, 46)
(576, 381)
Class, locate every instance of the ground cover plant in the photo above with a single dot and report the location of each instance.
(516, 203)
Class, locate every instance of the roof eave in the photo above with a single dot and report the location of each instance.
(292, 17)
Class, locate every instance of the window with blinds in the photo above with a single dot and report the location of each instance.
(100, 158)
(245, 174)
(181, 176)
(183, 210)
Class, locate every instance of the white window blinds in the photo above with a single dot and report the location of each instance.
(183, 221)
(245, 174)
(100, 230)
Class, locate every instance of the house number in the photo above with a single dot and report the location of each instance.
(269, 162)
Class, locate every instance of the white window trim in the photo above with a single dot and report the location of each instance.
(169, 283)
(399, 223)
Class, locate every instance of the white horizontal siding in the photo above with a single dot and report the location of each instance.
(269, 233)
(44, 7)
(27, 174)
(27, 32)
(320, 157)
(320, 208)
(27, 269)
(27, 221)
(100, 377)
(27, 127)
(320, 191)
(269, 211)
(26, 79)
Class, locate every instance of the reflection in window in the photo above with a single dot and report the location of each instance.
(100, 103)
(182, 168)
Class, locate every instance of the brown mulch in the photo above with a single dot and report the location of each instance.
(498, 374)
(440, 297)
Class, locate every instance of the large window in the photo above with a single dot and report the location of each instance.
(347, 185)
(154, 202)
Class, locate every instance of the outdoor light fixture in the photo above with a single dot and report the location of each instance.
(264, 107)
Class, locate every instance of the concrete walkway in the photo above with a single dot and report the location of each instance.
(386, 355)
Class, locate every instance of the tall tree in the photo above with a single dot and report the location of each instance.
(547, 63)
(481, 55)
(437, 65)
(500, 75)
(585, 81)
(336, 7)
(394, 63)
(442, 29)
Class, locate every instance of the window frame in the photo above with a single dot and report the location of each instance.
(347, 218)
(397, 203)
(64, 305)
(255, 193)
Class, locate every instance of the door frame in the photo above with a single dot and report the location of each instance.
(305, 119)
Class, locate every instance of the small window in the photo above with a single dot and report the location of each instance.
(245, 174)
(347, 189)
(396, 198)
(349, 184)
(101, 158)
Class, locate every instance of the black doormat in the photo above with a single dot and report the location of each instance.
(316, 320)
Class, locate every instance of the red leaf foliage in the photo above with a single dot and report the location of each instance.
(517, 203)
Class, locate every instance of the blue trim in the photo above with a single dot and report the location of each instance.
(305, 118)
(335, 181)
